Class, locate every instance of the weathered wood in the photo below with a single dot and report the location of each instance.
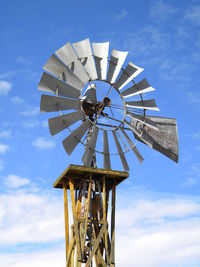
(70, 252)
(66, 219)
(71, 185)
(87, 210)
(112, 252)
(96, 244)
(89, 234)
(73, 249)
(99, 255)
(80, 172)
(105, 220)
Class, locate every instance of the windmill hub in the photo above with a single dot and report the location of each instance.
(95, 109)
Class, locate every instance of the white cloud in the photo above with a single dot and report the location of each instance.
(5, 87)
(41, 258)
(5, 134)
(43, 143)
(14, 181)
(164, 229)
(30, 217)
(3, 148)
(161, 231)
(30, 111)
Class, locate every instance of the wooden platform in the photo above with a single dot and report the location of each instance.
(78, 173)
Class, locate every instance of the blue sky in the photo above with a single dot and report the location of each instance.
(160, 201)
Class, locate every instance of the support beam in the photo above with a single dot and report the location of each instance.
(66, 219)
(112, 252)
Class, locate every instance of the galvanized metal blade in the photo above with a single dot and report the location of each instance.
(121, 154)
(100, 51)
(90, 93)
(116, 61)
(133, 147)
(55, 66)
(138, 88)
(143, 119)
(89, 150)
(54, 103)
(143, 104)
(130, 72)
(50, 84)
(84, 52)
(165, 140)
(57, 124)
(106, 155)
(75, 137)
(139, 133)
(70, 59)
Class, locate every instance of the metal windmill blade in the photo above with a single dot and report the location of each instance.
(75, 75)
(100, 51)
(50, 103)
(128, 74)
(55, 66)
(137, 89)
(84, 52)
(116, 61)
(70, 59)
(50, 84)
(58, 124)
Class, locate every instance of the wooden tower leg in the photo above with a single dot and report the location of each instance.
(112, 252)
(66, 219)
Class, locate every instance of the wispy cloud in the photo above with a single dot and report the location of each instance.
(24, 60)
(193, 97)
(1, 165)
(121, 15)
(195, 135)
(14, 181)
(3, 148)
(5, 87)
(17, 100)
(5, 134)
(161, 10)
(190, 181)
(43, 143)
(7, 74)
(30, 111)
(193, 14)
(193, 175)
(31, 123)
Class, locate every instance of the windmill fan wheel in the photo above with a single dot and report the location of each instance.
(93, 93)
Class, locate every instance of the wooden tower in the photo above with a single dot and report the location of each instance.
(91, 241)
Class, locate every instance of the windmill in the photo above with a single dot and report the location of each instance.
(101, 107)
